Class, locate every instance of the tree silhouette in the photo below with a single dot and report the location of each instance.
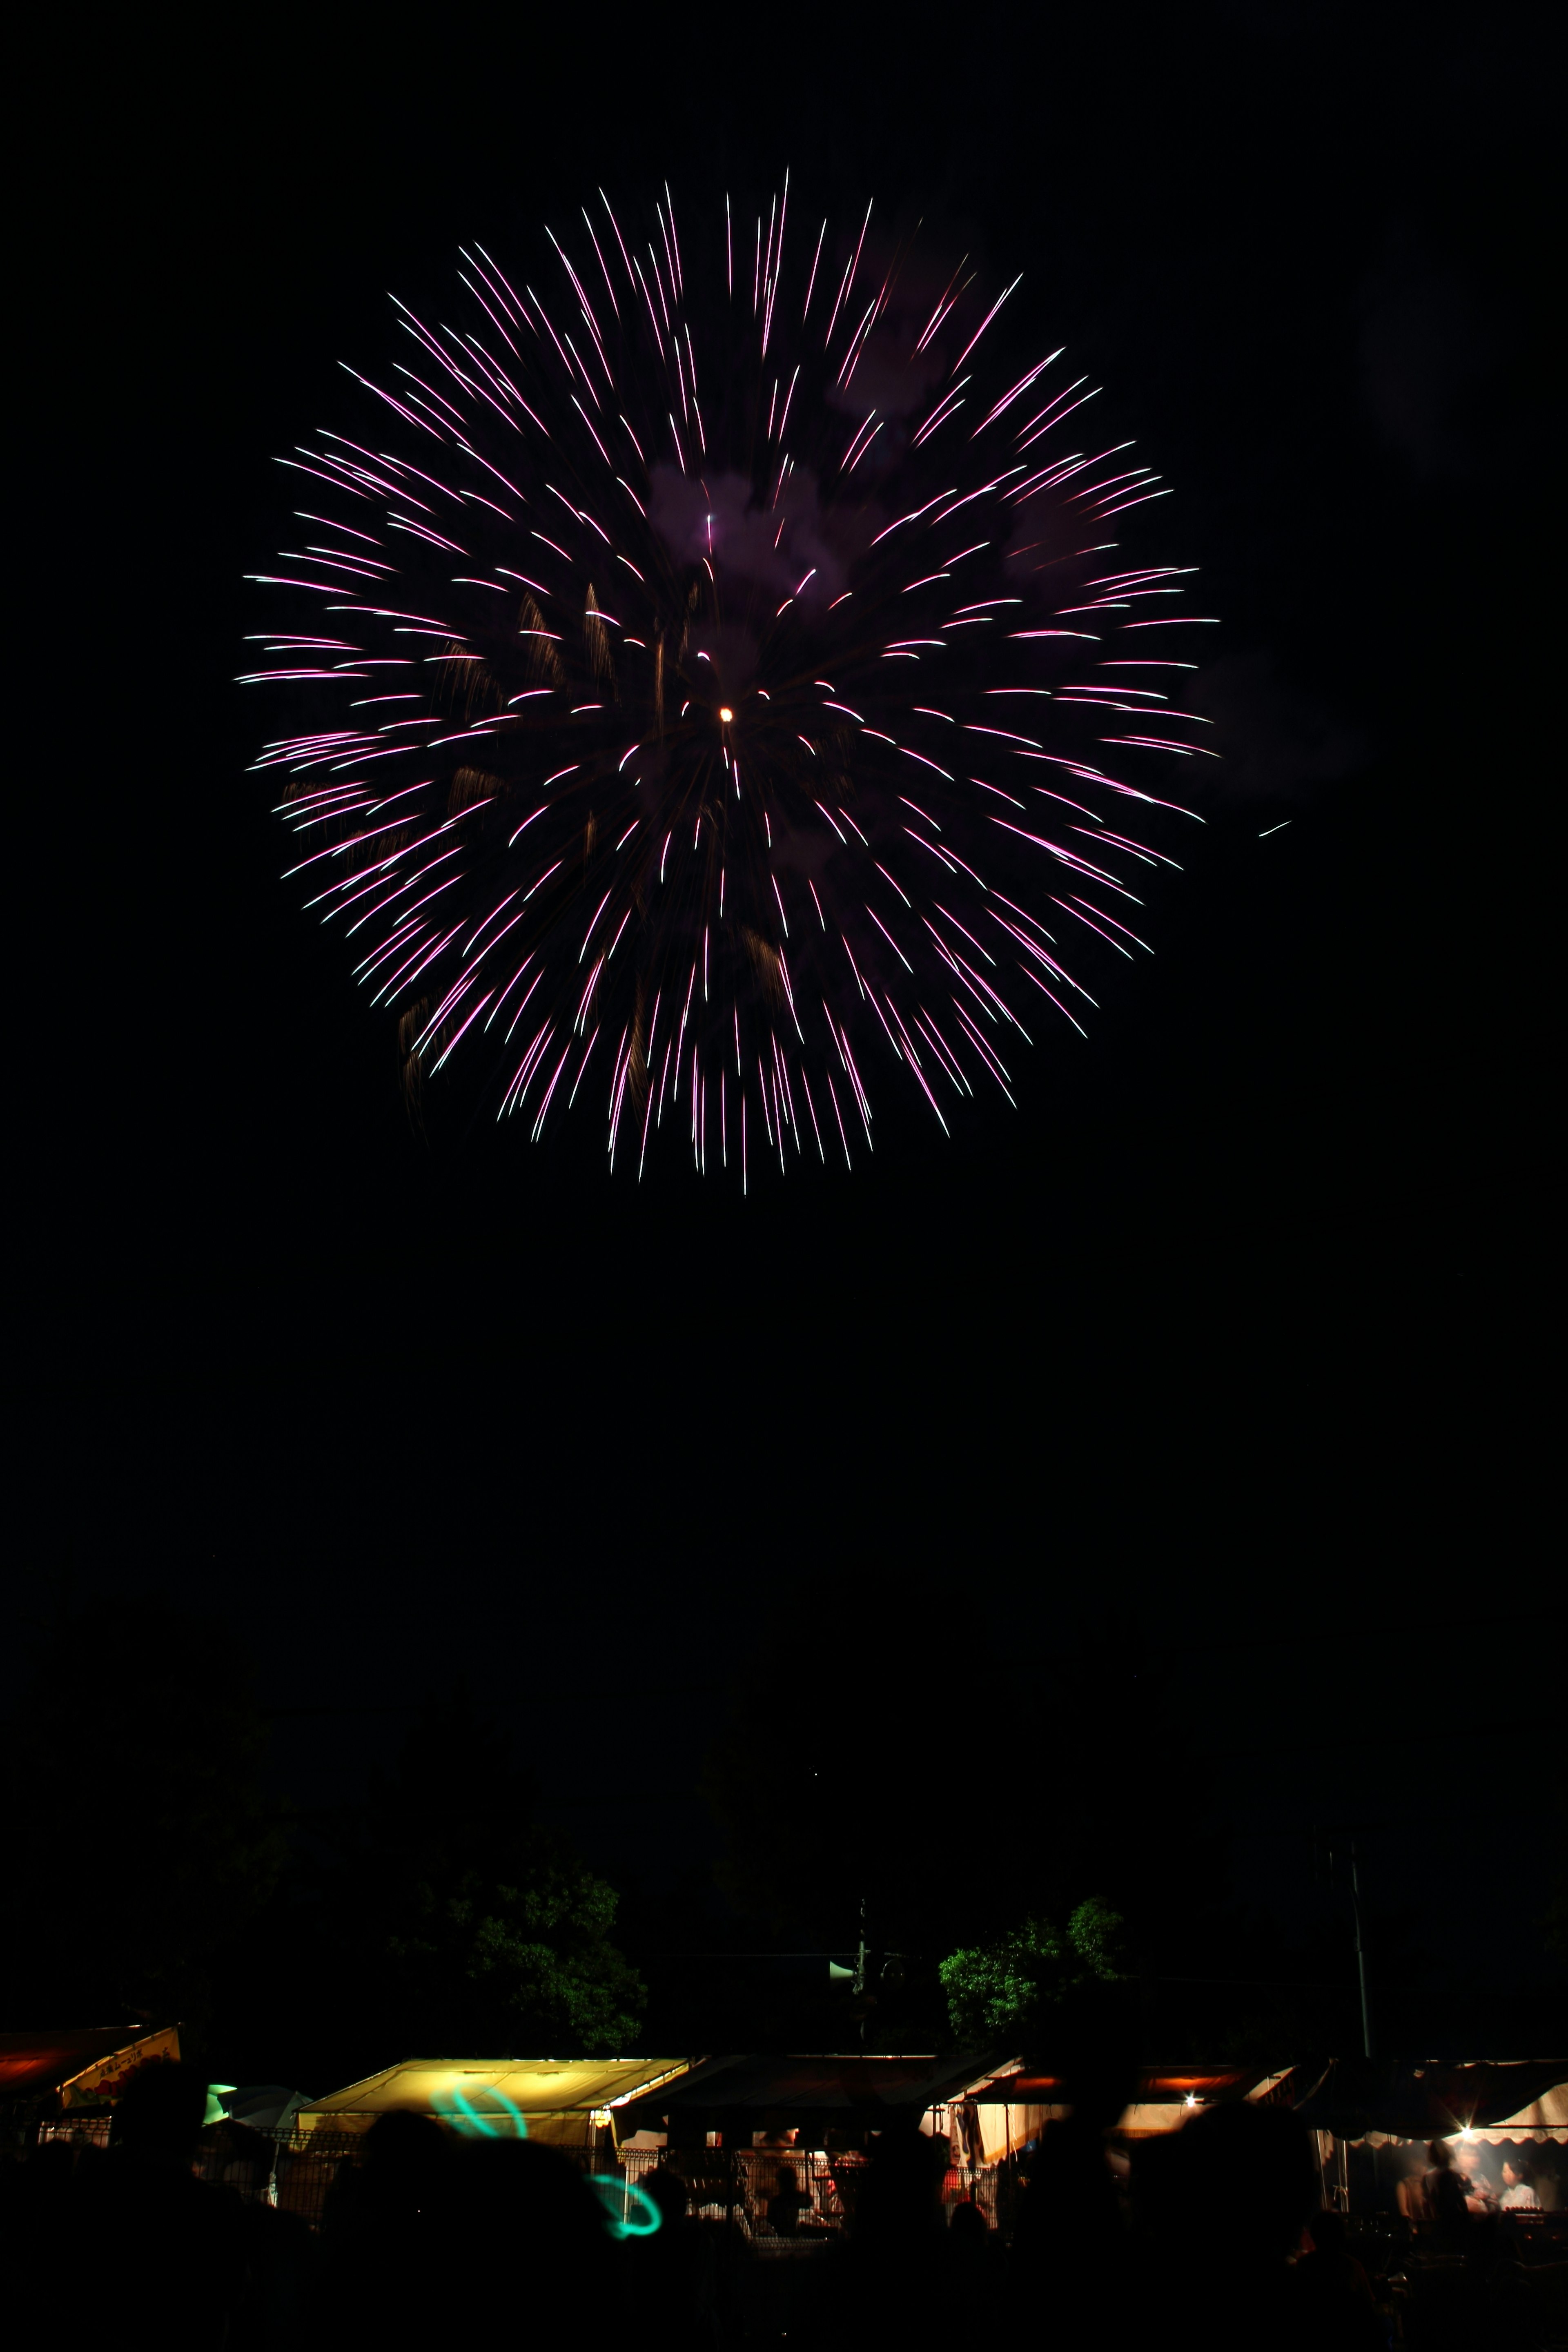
(1007, 1989)
(142, 1839)
(474, 1929)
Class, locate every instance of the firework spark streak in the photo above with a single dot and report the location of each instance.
(722, 695)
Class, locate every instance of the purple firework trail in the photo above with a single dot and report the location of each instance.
(725, 700)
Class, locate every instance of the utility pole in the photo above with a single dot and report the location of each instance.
(875, 1970)
(1360, 1943)
(1361, 1956)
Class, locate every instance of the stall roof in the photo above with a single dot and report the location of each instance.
(79, 2060)
(1405, 2100)
(1013, 2106)
(825, 2084)
(1157, 2085)
(541, 2089)
(1495, 2091)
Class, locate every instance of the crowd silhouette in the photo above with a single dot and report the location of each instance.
(1214, 2235)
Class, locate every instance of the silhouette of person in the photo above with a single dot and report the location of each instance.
(383, 2233)
(520, 2213)
(37, 2212)
(1410, 2190)
(428, 2234)
(1336, 2294)
(1069, 2242)
(889, 2283)
(1220, 2205)
(670, 2284)
(967, 2225)
(1444, 2191)
(786, 2205)
(167, 2249)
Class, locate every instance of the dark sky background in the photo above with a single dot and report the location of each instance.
(1225, 1339)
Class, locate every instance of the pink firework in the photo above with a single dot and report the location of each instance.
(715, 699)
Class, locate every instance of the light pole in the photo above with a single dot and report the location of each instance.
(1361, 1956)
(1359, 1948)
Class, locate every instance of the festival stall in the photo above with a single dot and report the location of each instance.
(75, 2070)
(1372, 2125)
(777, 2146)
(567, 2103)
(1001, 2116)
(782, 2140)
(811, 2101)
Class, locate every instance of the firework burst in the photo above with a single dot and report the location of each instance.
(723, 699)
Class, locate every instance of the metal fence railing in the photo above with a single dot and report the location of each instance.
(775, 2197)
(293, 2170)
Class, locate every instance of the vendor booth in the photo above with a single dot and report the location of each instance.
(813, 2101)
(1372, 2125)
(1001, 2116)
(569, 2103)
(76, 2069)
(775, 2147)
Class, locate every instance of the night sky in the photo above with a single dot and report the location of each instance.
(1218, 1349)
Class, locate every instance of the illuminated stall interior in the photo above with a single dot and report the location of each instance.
(998, 2117)
(1372, 2128)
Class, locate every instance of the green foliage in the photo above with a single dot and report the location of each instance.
(149, 1873)
(1001, 1989)
(480, 1930)
(1096, 1933)
(514, 1969)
